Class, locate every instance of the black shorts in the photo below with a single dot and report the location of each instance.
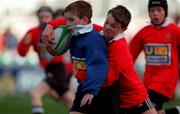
(77, 101)
(106, 102)
(56, 77)
(143, 107)
(157, 99)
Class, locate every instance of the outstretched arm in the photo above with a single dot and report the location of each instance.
(135, 47)
(25, 44)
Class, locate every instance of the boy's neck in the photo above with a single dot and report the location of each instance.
(81, 29)
(117, 37)
(163, 24)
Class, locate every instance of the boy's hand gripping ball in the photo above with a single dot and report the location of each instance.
(62, 39)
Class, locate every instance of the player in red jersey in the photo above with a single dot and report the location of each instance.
(159, 41)
(132, 93)
(57, 68)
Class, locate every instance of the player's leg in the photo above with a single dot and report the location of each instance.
(174, 110)
(58, 75)
(68, 95)
(151, 111)
(36, 97)
(148, 107)
(60, 92)
(145, 107)
(76, 113)
(158, 100)
(53, 94)
(76, 108)
(68, 98)
(107, 100)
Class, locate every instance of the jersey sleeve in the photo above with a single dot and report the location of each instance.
(111, 77)
(97, 66)
(178, 36)
(135, 46)
(57, 22)
(98, 28)
(25, 44)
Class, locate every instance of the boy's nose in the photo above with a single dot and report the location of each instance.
(107, 27)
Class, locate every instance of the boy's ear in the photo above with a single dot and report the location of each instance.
(85, 20)
(124, 28)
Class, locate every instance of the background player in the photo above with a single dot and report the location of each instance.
(57, 70)
(159, 41)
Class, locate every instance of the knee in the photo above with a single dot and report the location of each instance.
(34, 94)
(68, 98)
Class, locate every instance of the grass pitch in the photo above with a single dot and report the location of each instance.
(22, 105)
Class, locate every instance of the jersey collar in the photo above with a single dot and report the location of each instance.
(165, 24)
(81, 29)
(119, 36)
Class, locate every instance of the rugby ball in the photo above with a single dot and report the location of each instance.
(62, 41)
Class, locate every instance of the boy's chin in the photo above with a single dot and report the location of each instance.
(107, 35)
(157, 22)
(108, 38)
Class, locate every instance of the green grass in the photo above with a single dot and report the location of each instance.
(22, 105)
(172, 103)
